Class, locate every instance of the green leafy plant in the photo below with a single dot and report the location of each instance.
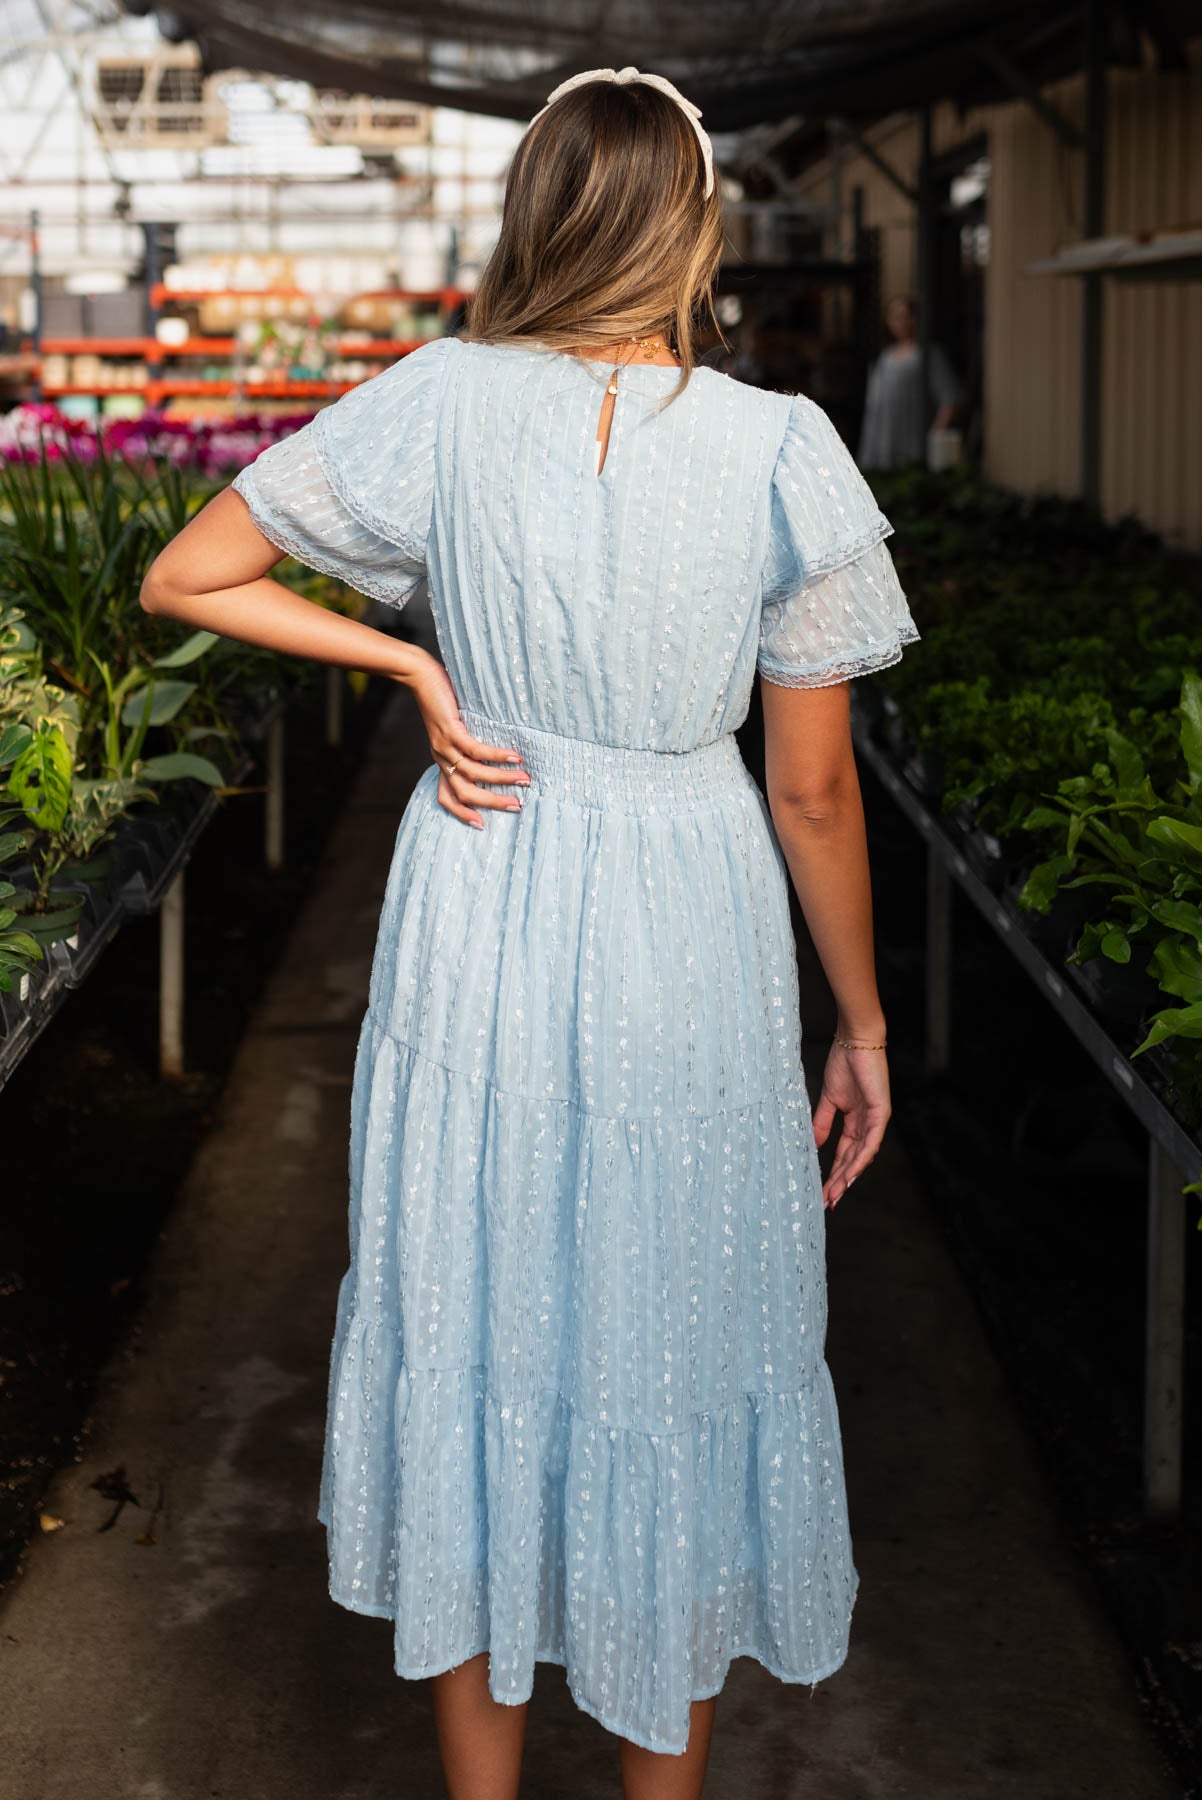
(1145, 846)
(19, 949)
(1039, 597)
(101, 707)
(1000, 754)
(69, 810)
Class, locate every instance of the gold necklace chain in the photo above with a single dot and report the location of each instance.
(648, 345)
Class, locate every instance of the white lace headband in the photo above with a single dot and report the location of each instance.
(691, 112)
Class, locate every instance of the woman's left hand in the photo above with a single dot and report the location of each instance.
(454, 748)
(856, 1084)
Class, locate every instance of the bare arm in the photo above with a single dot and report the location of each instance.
(214, 576)
(813, 792)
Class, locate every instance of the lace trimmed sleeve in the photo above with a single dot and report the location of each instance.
(832, 605)
(351, 492)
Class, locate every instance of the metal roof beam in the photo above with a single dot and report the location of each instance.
(870, 152)
(1148, 16)
(1020, 83)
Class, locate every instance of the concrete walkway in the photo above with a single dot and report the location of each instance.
(209, 1664)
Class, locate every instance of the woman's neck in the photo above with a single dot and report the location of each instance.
(623, 351)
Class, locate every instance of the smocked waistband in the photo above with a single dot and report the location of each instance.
(612, 777)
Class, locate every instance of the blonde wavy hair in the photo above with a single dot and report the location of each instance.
(606, 231)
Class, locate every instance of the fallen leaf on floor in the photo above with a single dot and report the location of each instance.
(114, 1486)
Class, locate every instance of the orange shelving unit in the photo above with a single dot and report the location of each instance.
(155, 391)
(154, 351)
(447, 297)
(167, 375)
(98, 346)
(56, 392)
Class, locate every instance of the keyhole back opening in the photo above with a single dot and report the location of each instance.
(605, 422)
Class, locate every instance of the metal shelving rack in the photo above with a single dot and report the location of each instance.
(1174, 1154)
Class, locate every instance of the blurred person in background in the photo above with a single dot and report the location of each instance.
(895, 422)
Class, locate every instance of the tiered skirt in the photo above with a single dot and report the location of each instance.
(579, 1409)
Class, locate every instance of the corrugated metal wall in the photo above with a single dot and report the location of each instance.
(1152, 356)
(1152, 411)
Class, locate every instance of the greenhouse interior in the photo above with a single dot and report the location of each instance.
(962, 243)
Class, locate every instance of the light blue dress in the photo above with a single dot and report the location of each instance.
(579, 1410)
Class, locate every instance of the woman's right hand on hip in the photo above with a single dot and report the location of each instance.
(466, 763)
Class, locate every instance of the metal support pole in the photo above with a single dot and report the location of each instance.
(334, 693)
(171, 980)
(939, 962)
(836, 235)
(273, 820)
(1093, 225)
(835, 159)
(1164, 1336)
(35, 285)
(152, 268)
(926, 268)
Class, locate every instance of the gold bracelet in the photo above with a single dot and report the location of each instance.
(849, 1044)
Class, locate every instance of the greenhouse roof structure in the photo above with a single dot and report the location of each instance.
(745, 62)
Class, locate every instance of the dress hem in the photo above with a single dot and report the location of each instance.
(811, 1678)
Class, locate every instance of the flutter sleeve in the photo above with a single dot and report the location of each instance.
(351, 493)
(832, 605)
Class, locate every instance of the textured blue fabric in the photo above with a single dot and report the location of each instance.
(579, 1408)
